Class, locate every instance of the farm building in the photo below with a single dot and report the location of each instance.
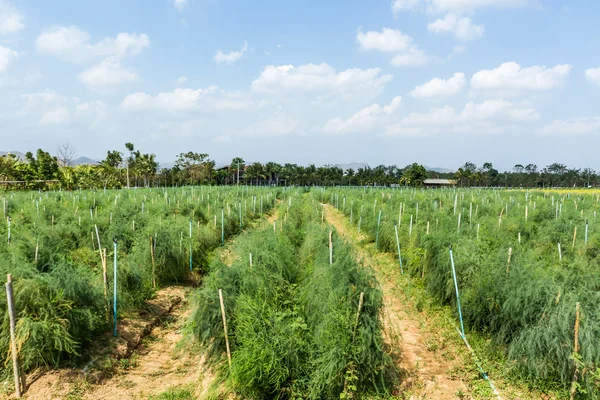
(439, 182)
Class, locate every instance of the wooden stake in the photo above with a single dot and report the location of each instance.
(13, 341)
(574, 236)
(225, 326)
(250, 260)
(153, 265)
(360, 305)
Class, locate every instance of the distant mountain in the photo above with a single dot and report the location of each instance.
(440, 170)
(353, 166)
(83, 161)
(19, 155)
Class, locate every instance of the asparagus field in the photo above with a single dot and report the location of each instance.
(303, 320)
(526, 265)
(289, 311)
(58, 247)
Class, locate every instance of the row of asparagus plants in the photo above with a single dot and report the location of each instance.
(299, 324)
(527, 266)
(60, 249)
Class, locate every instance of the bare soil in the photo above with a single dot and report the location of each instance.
(426, 359)
(150, 361)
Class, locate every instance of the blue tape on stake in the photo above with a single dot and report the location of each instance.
(462, 327)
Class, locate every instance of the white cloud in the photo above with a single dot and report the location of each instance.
(368, 118)
(395, 42)
(182, 79)
(489, 116)
(387, 41)
(74, 45)
(109, 72)
(405, 5)
(180, 4)
(591, 74)
(439, 87)
(510, 76)
(11, 20)
(320, 79)
(7, 56)
(462, 27)
(231, 57)
(58, 116)
(575, 126)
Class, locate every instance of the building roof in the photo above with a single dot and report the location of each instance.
(439, 182)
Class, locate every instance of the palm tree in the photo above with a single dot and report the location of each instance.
(272, 170)
(255, 171)
(237, 167)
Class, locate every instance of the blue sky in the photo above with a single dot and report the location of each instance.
(438, 82)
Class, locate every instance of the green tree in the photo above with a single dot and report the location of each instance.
(414, 175)
(195, 168)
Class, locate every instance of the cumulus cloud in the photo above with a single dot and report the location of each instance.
(231, 57)
(321, 80)
(591, 74)
(7, 56)
(387, 41)
(182, 79)
(437, 87)
(71, 44)
(457, 14)
(511, 76)
(392, 41)
(364, 120)
(109, 72)
(462, 27)
(11, 20)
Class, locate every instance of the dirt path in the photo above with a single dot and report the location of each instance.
(153, 366)
(428, 362)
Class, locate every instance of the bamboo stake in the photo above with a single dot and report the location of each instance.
(360, 305)
(559, 253)
(574, 236)
(508, 263)
(13, 341)
(225, 326)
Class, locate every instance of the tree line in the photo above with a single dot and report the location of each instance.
(132, 168)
